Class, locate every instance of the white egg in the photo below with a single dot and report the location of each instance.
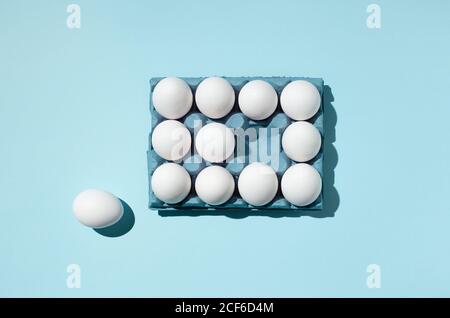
(258, 184)
(300, 100)
(97, 208)
(214, 185)
(171, 183)
(171, 140)
(215, 97)
(301, 141)
(258, 100)
(172, 97)
(215, 142)
(301, 184)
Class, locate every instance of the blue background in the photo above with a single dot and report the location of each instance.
(74, 115)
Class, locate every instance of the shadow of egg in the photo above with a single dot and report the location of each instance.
(121, 227)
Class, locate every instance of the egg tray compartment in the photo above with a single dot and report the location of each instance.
(193, 163)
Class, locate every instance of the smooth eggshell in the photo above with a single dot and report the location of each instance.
(172, 98)
(171, 140)
(171, 183)
(215, 97)
(300, 100)
(301, 141)
(301, 184)
(214, 185)
(97, 208)
(215, 142)
(258, 100)
(258, 184)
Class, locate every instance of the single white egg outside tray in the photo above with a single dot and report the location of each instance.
(235, 119)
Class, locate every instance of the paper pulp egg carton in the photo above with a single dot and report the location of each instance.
(193, 163)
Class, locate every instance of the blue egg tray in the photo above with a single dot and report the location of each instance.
(274, 125)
